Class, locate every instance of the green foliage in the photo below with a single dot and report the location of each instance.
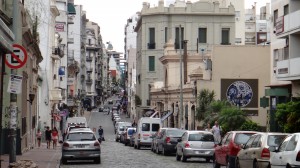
(138, 100)
(214, 109)
(204, 99)
(249, 125)
(232, 118)
(288, 116)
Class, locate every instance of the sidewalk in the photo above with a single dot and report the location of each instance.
(43, 157)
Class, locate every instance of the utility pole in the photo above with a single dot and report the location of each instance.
(181, 80)
(13, 97)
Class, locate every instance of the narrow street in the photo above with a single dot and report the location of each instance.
(116, 155)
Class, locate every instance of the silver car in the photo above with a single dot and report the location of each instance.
(81, 144)
(257, 151)
(195, 144)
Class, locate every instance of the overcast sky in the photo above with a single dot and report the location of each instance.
(112, 15)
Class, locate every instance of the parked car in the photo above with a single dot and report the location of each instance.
(110, 102)
(167, 140)
(154, 139)
(257, 150)
(128, 134)
(81, 143)
(195, 144)
(288, 153)
(101, 109)
(120, 129)
(227, 150)
(124, 133)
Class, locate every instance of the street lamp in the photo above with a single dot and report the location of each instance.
(31, 98)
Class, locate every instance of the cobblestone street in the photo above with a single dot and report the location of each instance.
(115, 154)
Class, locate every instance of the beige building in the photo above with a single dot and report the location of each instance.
(239, 75)
(201, 23)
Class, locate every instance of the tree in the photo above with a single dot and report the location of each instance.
(204, 99)
(249, 125)
(288, 116)
(232, 118)
(212, 114)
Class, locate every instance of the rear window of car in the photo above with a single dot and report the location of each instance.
(242, 138)
(121, 128)
(81, 136)
(155, 127)
(175, 133)
(275, 140)
(201, 137)
(145, 127)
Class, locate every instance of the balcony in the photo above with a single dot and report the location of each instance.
(89, 69)
(89, 81)
(55, 95)
(71, 40)
(57, 53)
(151, 46)
(287, 68)
(70, 19)
(89, 59)
(288, 24)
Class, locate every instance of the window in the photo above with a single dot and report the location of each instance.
(155, 127)
(228, 139)
(224, 139)
(177, 39)
(249, 142)
(286, 9)
(166, 34)
(151, 44)
(275, 17)
(146, 127)
(90, 41)
(256, 142)
(202, 33)
(284, 144)
(151, 63)
(225, 36)
(292, 143)
(242, 138)
(275, 140)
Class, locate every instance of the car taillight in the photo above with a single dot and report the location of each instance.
(265, 153)
(65, 144)
(96, 144)
(298, 156)
(187, 145)
(168, 139)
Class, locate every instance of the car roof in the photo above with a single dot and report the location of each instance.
(272, 133)
(244, 132)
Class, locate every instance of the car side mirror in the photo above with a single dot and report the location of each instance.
(179, 140)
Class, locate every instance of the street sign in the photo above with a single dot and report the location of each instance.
(18, 58)
(15, 84)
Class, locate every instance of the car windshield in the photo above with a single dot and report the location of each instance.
(201, 137)
(145, 127)
(81, 136)
(242, 138)
(275, 140)
(175, 133)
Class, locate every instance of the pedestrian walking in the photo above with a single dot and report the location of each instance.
(134, 124)
(216, 130)
(48, 136)
(100, 133)
(208, 128)
(39, 137)
(54, 136)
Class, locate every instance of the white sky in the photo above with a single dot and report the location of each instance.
(112, 15)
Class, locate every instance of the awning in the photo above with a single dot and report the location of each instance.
(71, 9)
(278, 85)
(277, 92)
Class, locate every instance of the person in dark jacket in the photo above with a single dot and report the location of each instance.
(100, 133)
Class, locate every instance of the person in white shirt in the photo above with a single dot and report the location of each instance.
(216, 130)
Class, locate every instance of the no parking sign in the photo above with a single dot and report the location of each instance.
(18, 58)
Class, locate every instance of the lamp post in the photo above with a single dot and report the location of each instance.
(31, 98)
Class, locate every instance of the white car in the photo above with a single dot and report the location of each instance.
(287, 154)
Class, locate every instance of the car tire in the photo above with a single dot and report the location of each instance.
(134, 146)
(184, 158)
(125, 143)
(207, 160)
(64, 161)
(255, 164)
(215, 163)
(157, 150)
(97, 160)
(164, 152)
(138, 146)
(237, 163)
(178, 157)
